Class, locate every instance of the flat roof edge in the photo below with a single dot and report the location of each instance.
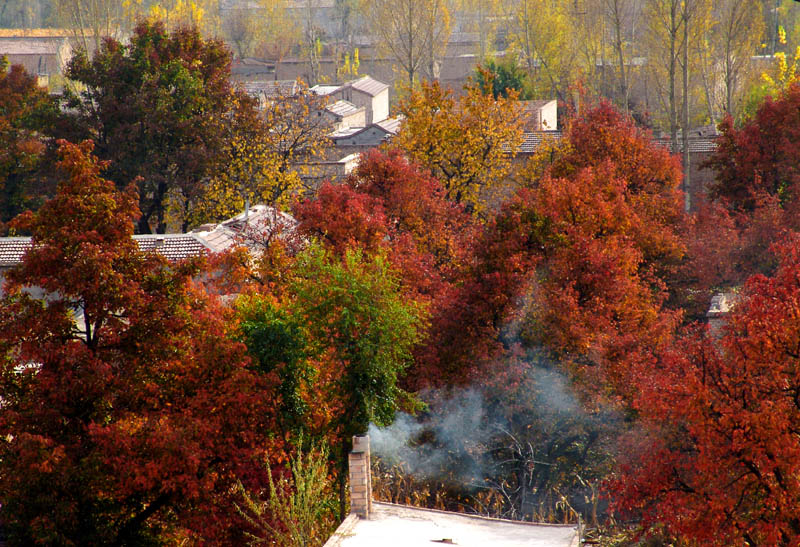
(575, 526)
(344, 531)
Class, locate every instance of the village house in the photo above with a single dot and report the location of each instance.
(364, 92)
(43, 52)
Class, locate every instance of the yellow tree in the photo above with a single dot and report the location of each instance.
(264, 155)
(731, 40)
(467, 142)
(541, 33)
(264, 29)
(202, 14)
(413, 33)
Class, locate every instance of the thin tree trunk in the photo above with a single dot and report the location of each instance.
(673, 115)
(685, 122)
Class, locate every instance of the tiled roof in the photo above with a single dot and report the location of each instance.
(321, 89)
(271, 88)
(696, 144)
(12, 249)
(30, 46)
(261, 219)
(173, 247)
(345, 132)
(343, 108)
(532, 140)
(41, 32)
(365, 84)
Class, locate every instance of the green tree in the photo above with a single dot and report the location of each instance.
(502, 77)
(154, 107)
(343, 334)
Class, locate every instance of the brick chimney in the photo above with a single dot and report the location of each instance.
(360, 478)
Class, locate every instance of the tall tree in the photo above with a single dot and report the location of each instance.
(620, 14)
(413, 33)
(343, 336)
(735, 36)
(154, 108)
(261, 152)
(542, 35)
(759, 158)
(116, 386)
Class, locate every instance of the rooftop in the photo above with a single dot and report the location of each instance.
(343, 108)
(368, 85)
(245, 228)
(696, 144)
(31, 46)
(392, 525)
(365, 84)
(390, 125)
(173, 247)
(271, 88)
(532, 140)
(41, 32)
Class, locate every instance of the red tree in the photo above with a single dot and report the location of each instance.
(719, 463)
(760, 157)
(576, 263)
(24, 111)
(391, 204)
(127, 410)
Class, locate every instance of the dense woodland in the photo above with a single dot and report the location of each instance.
(213, 401)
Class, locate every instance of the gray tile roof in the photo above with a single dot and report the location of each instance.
(532, 140)
(271, 88)
(173, 247)
(696, 144)
(31, 46)
(12, 249)
(390, 125)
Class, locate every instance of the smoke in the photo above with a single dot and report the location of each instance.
(458, 439)
(447, 442)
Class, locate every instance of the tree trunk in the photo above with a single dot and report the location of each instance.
(685, 122)
(673, 115)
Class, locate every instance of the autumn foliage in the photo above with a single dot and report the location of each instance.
(717, 460)
(24, 108)
(128, 410)
(137, 409)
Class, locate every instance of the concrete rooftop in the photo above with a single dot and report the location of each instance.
(396, 525)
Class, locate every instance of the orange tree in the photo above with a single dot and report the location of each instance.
(128, 411)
